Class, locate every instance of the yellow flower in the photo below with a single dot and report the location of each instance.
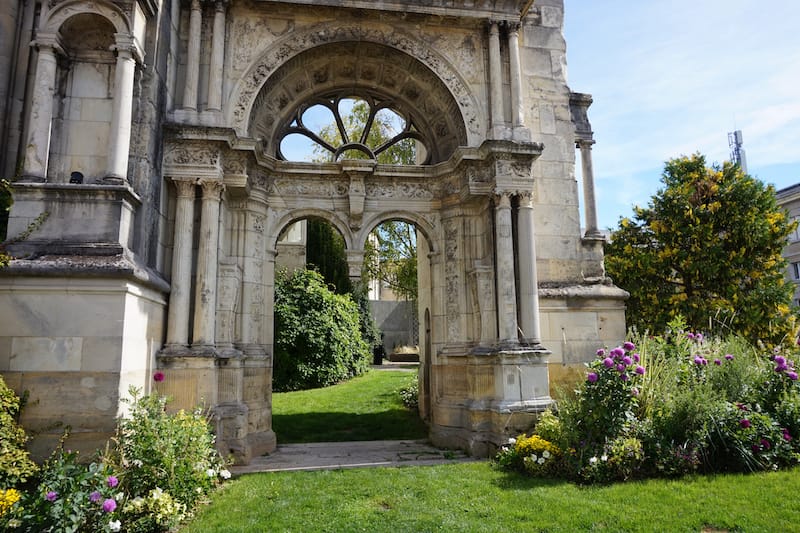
(8, 498)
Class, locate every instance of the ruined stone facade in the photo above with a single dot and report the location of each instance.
(149, 132)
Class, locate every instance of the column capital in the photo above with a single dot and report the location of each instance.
(512, 27)
(493, 26)
(126, 46)
(211, 189)
(185, 187)
(48, 42)
(502, 199)
(525, 198)
(584, 143)
(219, 5)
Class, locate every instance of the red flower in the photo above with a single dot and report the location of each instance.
(158, 376)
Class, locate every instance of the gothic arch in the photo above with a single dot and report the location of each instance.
(64, 11)
(248, 93)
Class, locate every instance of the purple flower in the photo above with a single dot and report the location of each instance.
(781, 368)
(617, 352)
(728, 357)
(792, 375)
(621, 368)
(698, 360)
(95, 496)
(765, 444)
(624, 377)
(717, 361)
(690, 336)
(755, 448)
(51, 496)
(112, 481)
(635, 391)
(745, 423)
(608, 362)
(601, 352)
(109, 505)
(627, 360)
(786, 436)
(698, 337)
(636, 357)
(640, 370)
(742, 407)
(158, 376)
(780, 360)
(628, 346)
(592, 377)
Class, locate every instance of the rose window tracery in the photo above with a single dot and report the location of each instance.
(340, 125)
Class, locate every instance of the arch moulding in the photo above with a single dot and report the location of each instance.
(62, 12)
(247, 89)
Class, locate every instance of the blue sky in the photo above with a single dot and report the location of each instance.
(675, 77)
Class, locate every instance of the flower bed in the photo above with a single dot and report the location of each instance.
(667, 406)
(150, 478)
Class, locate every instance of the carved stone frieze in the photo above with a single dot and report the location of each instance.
(192, 159)
(399, 190)
(452, 279)
(306, 187)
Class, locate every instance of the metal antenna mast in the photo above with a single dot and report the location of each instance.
(737, 152)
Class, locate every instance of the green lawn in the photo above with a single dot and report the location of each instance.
(365, 408)
(469, 497)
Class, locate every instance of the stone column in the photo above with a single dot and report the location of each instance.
(517, 116)
(119, 135)
(589, 205)
(205, 299)
(217, 58)
(193, 57)
(181, 282)
(528, 280)
(37, 146)
(495, 80)
(506, 287)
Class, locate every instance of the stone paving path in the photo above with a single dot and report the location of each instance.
(337, 455)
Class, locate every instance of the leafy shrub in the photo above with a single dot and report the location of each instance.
(173, 452)
(161, 467)
(317, 334)
(15, 463)
(69, 497)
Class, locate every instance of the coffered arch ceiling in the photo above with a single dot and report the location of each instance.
(360, 69)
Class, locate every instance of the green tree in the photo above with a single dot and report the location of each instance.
(391, 257)
(325, 252)
(707, 247)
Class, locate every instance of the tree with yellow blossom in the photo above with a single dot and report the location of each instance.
(708, 248)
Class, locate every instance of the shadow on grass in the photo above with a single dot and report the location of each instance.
(395, 424)
(517, 481)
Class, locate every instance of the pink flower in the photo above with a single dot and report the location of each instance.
(745, 423)
(158, 376)
(592, 377)
(635, 391)
(109, 505)
(112, 481)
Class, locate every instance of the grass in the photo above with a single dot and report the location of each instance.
(365, 408)
(469, 497)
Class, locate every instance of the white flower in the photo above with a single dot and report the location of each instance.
(211, 472)
(541, 460)
(592, 460)
(546, 454)
(604, 458)
(225, 474)
(138, 463)
(512, 440)
(115, 525)
(533, 457)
